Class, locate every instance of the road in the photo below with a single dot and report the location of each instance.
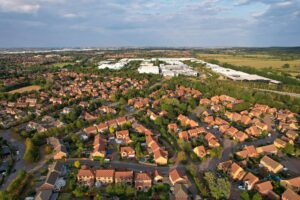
(20, 164)
(280, 92)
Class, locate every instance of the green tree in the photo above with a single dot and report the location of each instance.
(245, 195)
(256, 196)
(31, 152)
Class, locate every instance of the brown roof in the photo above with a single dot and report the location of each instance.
(105, 173)
(85, 172)
(264, 188)
(124, 174)
(142, 177)
(290, 195)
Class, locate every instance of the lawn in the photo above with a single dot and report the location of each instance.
(255, 60)
(25, 89)
(62, 64)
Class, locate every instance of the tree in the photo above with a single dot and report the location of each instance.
(256, 196)
(245, 195)
(77, 164)
(289, 149)
(219, 188)
(31, 152)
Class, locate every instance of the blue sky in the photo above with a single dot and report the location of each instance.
(172, 23)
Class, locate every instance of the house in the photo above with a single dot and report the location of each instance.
(123, 137)
(225, 166)
(279, 143)
(271, 165)
(44, 195)
(246, 120)
(85, 176)
(293, 184)
(184, 135)
(250, 180)
(160, 157)
(158, 178)
(290, 195)
(176, 176)
(127, 152)
(264, 188)
(236, 172)
(212, 140)
(180, 192)
(240, 136)
(102, 127)
(105, 176)
(247, 152)
(267, 149)
(253, 131)
(172, 127)
(142, 182)
(291, 134)
(60, 150)
(200, 151)
(50, 181)
(185, 121)
(99, 147)
(58, 167)
(91, 130)
(125, 177)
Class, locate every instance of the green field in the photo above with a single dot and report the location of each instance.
(259, 61)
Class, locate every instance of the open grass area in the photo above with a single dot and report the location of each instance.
(25, 89)
(62, 64)
(256, 60)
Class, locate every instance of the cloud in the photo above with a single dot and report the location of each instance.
(25, 6)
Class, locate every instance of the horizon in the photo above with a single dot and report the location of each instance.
(152, 23)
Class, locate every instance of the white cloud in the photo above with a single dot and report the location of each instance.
(25, 6)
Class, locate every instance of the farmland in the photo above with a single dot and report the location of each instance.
(259, 61)
(25, 89)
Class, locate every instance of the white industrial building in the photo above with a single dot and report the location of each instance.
(112, 64)
(236, 75)
(148, 68)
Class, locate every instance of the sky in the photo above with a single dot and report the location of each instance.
(144, 23)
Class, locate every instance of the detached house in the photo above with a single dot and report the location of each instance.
(127, 152)
(293, 184)
(99, 147)
(143, 182)
(250, 180)
(177, 176)
(271, 165)
(200, 151)
(60, 150)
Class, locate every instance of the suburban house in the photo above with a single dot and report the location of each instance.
(85, 176)
(293, 184)
(127, 152)
(143, 181)
(247, 152)
(264, 188)
(124, 177)
(271, 165)
(250, 180)
(290, 195)
(123, 137)
(104, 176)
(99, 147)
(158, 178)
(176, 176)
(60, 150)
(200, 151)
(267, 149)
(236, 172)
